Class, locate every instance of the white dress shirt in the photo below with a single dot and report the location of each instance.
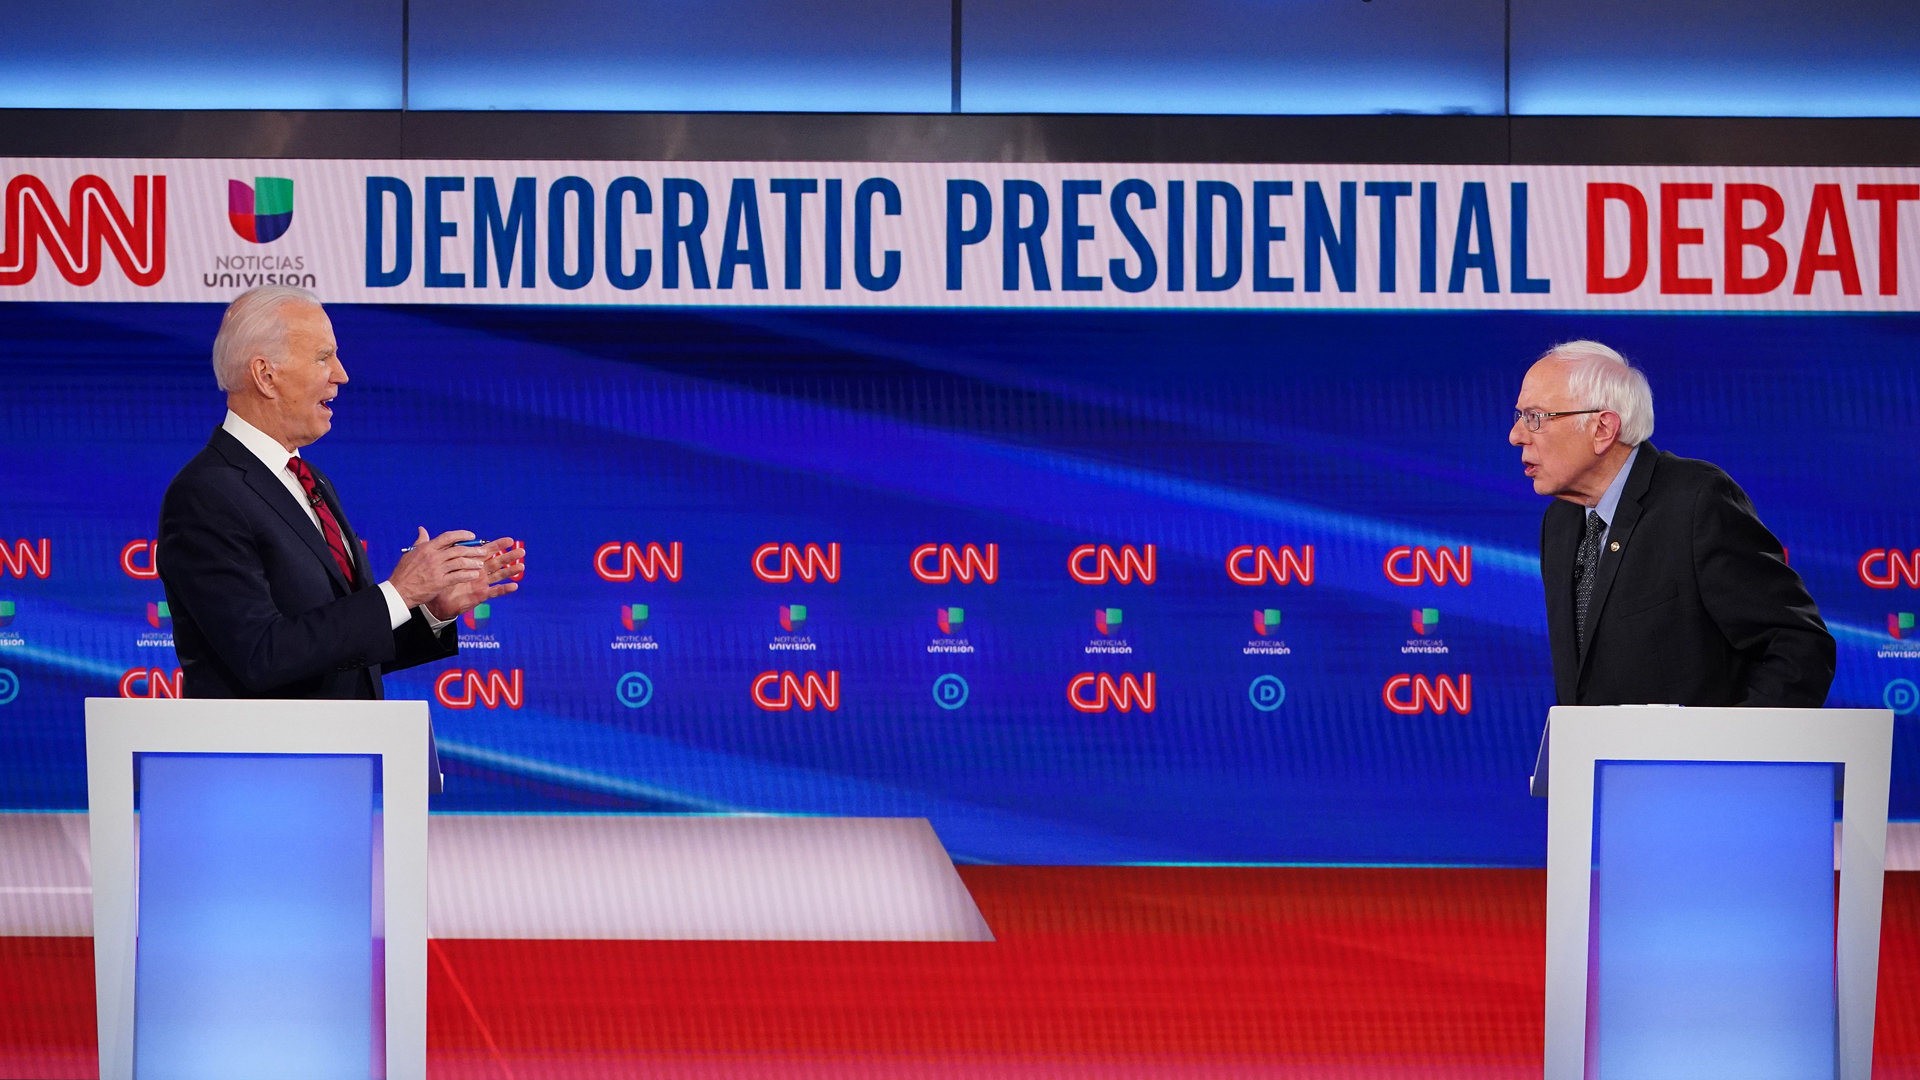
(274, 457)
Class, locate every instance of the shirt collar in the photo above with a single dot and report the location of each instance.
(259, 443)
(1610, 501)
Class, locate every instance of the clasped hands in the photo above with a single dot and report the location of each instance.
(451, 580)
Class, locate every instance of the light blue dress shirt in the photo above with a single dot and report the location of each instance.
(1610, 501)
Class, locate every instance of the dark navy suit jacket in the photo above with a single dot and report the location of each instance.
(1693, 601)
(260, 608)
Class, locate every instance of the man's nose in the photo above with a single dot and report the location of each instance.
(1516, 435)
(339, 374)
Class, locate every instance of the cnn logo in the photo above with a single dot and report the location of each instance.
(143, 682)
(1097, 564)
(25, 558)
(1410, 694)
(620, 560)
(1416, 565)
(1250, 565)
(457, 689)
(1092, 692)
(938, 564)
(784, 562)
(1881, 568)
(778, 691)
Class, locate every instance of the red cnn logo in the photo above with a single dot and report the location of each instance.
(618, 561)
(94, 216)
(130, 560)
(152, 683)
(937, 564)
(1280, 565)
(1894, 565)
(1092, 692)
(458, 689)
(23, 558)
(783, 562)
(1412, 565)
(1097, 564)
(778, 691)
(1423, 694)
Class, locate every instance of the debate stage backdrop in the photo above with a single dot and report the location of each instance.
(1093, 578)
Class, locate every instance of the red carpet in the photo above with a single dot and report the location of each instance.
(1109, 972)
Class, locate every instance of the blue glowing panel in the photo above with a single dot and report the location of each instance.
(1233, 56)
(256, 917)
(850, 56)
(1714, 917)
(211, 54)
(1716, 58)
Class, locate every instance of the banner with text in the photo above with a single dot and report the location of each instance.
(966, 234)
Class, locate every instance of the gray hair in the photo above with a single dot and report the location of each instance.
(1603, 379)
(253, 326)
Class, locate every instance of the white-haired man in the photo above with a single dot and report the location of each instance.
(1662, 585)
(271, 592)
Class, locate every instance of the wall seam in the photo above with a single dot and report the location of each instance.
(955, 60)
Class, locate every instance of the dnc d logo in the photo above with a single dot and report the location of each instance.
(262, 213)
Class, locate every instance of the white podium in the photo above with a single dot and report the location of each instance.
(1693, 929)
(259, 893)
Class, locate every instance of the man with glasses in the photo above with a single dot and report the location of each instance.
(1662, 585)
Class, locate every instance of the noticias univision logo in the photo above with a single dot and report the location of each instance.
(478, 617)
(6, 613)
(947, 617)
(1425, 619)
(793, 618)
(262, 213)
(158, 616)
(1266, 621)
(1107, 620)
(1899, 624)
(634, 616)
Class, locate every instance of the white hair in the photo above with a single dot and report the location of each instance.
(254, 326)
(1603, 379)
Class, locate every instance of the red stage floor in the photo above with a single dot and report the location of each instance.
(1108, 972)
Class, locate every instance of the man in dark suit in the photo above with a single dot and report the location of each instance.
(271, 592)
(1662, 585)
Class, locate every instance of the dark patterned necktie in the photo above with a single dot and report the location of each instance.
(330, 528)
(1583, 574)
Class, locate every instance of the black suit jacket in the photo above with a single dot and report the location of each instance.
(260, 609)
(1694, 603)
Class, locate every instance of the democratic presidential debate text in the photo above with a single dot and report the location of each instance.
(970, 235)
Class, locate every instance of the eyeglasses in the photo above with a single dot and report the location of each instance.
(1533, 418)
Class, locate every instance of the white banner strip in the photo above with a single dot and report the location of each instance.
(1414, 237)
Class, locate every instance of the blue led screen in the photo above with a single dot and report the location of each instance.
(1234, 56)
(1271, 737)
(847, 56)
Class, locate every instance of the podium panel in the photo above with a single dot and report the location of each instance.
(1692, 924)
(1712, 927)
(264, 912)
(256, 916)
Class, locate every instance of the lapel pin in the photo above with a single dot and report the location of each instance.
(1615, 546)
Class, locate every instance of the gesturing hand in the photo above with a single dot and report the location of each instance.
(435, 565)
(503, 560)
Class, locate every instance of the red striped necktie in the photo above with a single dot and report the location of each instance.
(336, 542)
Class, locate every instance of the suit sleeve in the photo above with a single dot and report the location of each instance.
(415, 643)
(1759, 602)
(210, 562)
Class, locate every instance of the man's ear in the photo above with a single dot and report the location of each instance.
(1606, 431)
(260, 370)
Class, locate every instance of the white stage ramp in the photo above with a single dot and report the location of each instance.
(592, 876)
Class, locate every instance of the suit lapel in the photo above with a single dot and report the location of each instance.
(275, 494)
(1619, 534)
